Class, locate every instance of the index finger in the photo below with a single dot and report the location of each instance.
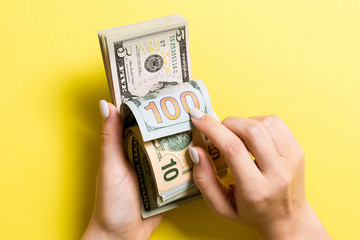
(230, 145)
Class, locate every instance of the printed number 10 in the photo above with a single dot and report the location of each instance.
(173, 172)
(152, 106)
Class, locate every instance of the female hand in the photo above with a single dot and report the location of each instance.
(268, 196)
(116, 213)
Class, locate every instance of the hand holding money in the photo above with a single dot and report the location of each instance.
(268, 195)
(116, 213)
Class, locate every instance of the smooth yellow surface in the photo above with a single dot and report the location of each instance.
(297, 59)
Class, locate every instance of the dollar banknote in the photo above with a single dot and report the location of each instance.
(165, 112)
(164, 168)
(144, 57)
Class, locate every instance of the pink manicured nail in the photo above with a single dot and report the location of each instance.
(104, 108)
(196, 113)
(194, 155)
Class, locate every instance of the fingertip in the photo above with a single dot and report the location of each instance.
(110, 113)
(104, 109)
(112, 130)
(107, 109)
(214, 191)
(196, 113)
(194, 155)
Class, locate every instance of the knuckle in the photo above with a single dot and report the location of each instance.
(110, 139)
(254, 129)
(227, 121)
(259, 198)
(275, 118)
(202, 182)
(269, 122)
(234, 147)
(106, 138)
(284, 182)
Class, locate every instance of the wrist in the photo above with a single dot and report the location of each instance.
(303, 224)
(95, 231)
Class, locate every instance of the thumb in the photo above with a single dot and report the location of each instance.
(113, 155)
(218, 196)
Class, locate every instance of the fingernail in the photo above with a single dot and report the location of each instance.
(104, 108)
(196, 113)
(194, 155)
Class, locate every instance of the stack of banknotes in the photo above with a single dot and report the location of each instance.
(150, 80)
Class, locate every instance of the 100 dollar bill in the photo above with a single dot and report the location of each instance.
(165, 112)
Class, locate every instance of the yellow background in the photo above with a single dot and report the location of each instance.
(297, 59)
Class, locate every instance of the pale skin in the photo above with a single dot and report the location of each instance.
(116, 213)
(267, 196)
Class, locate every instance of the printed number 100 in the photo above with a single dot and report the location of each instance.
(152, 106)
